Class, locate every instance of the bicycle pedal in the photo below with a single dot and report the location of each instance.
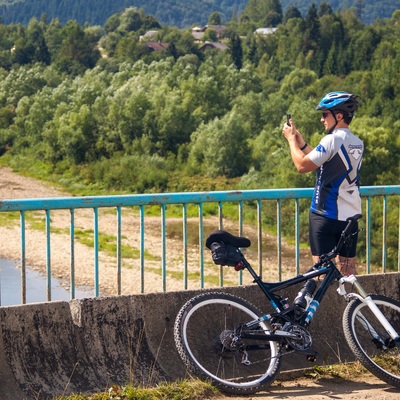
(310, 354)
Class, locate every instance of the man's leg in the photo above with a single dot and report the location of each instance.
(346, 265)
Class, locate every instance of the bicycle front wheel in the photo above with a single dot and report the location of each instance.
(207, 336)
(368, 339)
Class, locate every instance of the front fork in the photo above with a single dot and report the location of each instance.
(366, 299)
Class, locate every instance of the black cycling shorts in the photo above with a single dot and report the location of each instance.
(325, 233)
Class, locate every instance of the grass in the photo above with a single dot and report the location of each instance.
(346, 371)
(196, 389)
(193, 389)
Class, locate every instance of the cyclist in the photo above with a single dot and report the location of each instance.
(337, 160)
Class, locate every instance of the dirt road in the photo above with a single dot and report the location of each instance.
(364, 386)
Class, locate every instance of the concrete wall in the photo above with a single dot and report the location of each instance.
(86, 345)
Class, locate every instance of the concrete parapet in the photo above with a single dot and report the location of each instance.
(50, 349)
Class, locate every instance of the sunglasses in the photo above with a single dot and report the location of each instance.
(325, 115)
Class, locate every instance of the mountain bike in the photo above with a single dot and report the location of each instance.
(226, 339)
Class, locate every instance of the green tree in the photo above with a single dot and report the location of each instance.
(215, 19)
(235, 46)
(35, 35)
(291, 12)
(362, 46)
(77, 52)
(130, 49)
(220, 147)
(324, 9)
(263, 11)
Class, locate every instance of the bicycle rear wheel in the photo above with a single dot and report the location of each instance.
(205, 336)
(368, 339)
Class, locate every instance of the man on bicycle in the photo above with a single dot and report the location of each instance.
(337, 159)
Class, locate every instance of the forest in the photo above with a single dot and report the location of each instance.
(98, 111)
(179, 13)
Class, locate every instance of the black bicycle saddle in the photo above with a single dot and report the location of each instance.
(227, 238)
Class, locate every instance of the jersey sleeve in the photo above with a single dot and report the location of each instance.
(325, 150)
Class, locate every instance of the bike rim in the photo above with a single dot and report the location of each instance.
(387, 360)
(230, 379)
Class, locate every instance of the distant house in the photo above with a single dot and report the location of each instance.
(198, 32)
(148, 35)
(213, 45)
(156, 46)
(265, 31)
(219, 29)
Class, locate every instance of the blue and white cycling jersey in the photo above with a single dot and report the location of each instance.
(338, 156)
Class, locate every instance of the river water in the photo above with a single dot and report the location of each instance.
(36, 286)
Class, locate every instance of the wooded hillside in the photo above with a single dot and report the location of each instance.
(180, 13)
(100, 110)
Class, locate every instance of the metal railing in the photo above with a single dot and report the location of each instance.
(186, 202)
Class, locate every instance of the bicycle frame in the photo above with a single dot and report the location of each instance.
(325, 266)
(269, 289)
(332, 274)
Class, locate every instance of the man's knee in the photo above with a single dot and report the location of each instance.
(347, 266)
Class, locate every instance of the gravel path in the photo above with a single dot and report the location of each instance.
(365, 386)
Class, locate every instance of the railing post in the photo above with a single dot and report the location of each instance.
(384, 234)
(96, 250)
(119, 250)
(163, 247)
(72, 253)
(368, 235)
(48, 255)
(141, 249)
(201, 244)
(221, 226)
(279, 237)
(259, 233)
(240, 274)
(297, 236)
(23, 258)
(185, 246)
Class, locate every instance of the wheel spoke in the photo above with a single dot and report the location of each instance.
(208, 337)
(369, 340)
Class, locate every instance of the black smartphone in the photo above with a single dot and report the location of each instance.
(288, 116)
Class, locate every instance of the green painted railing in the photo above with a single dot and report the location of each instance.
(142, 202)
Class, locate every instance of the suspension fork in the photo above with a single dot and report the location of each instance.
(366, 299)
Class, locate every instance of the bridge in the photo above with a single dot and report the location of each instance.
(59, 347)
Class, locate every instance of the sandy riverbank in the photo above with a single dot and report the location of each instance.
(14, 186)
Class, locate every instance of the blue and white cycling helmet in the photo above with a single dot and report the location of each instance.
(341, 101)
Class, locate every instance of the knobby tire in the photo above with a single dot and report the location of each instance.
(381, 361)
(202, 334)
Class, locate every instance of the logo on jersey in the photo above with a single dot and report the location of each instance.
(320, 148)
(356, 151)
